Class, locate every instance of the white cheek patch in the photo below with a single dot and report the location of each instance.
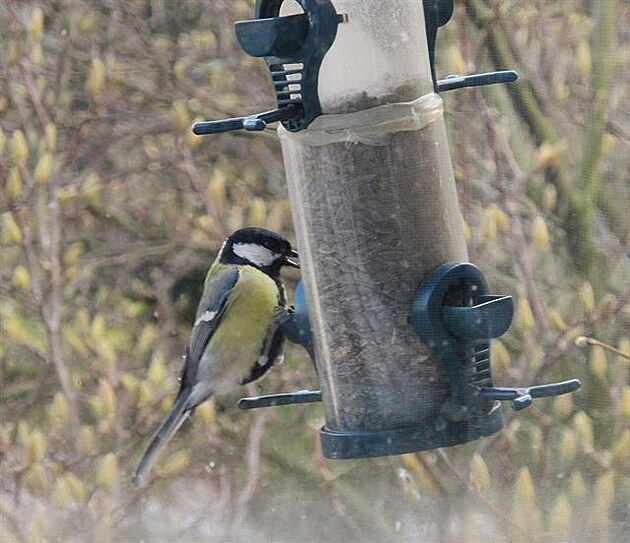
(206, 316)
(254, 253)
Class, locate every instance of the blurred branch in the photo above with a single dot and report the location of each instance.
(513, 192)
(200, 188)
(33, 93)
(342, 512)
(372, 521)
(508, 526)
(51, 309)
(13, 524)
(591, 342)
(589, 186)
(256, 434)
(526, 105)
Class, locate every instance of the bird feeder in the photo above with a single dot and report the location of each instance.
(397, 320)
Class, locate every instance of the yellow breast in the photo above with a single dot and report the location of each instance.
(238, 341)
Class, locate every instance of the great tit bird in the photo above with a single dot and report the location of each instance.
(237, 335)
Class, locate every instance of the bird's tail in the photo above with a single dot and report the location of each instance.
(177, 415)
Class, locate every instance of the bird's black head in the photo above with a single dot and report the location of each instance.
(260, 248)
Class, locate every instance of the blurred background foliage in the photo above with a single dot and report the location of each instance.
(111, 211)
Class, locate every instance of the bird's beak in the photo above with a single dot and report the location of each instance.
(289, 262)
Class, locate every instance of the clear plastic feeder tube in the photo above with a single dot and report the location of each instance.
(375, 210)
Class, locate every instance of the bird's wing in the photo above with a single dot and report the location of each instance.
(209, 314)
(272, 346)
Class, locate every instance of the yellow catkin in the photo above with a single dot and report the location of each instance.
(11, 233)
(479, 474)
(35, 448)
(456, 59)
(58, 413)
(577, 487)
(13, 186)
(192, 139)
(568, 446)
(503, 221)
(257, 212)
(501, 359)
(420, 475)
(21, 278)
(276, 219)
(560, 516)
(549, 198)
(130, 385)
(180, 114)
(76, 487)
(157, 369)
(60, 496)
(563, 406)
(107, 471)
(536, 440)
(550, 154)
(525, 512)
(145, 395)
(624, 347)
(85, 441)
(43, 169)
(581, 342)
(465, 229)
(37, 54)
(524, 487)
(96, 77)
(18, 147)
(603, 496)
(91, 189)
(36, 24)
(82, 318)
(35, 479)
(205, 413)
(147, 337)
(584, 428)
(108, 399)
(586, 297)
(13, 52)
(556, 320)
(51, 137)
(540, 232)
(524, 318)
(235, 218)
(98, 328)
(489, 225)
(175, 464)
(216, 187)
(598, 363)
(621, 450)
(86, 21)
(624, 408)
(583, 58)
(23, 433)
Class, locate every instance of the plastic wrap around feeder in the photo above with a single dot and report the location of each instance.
(402, 367)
